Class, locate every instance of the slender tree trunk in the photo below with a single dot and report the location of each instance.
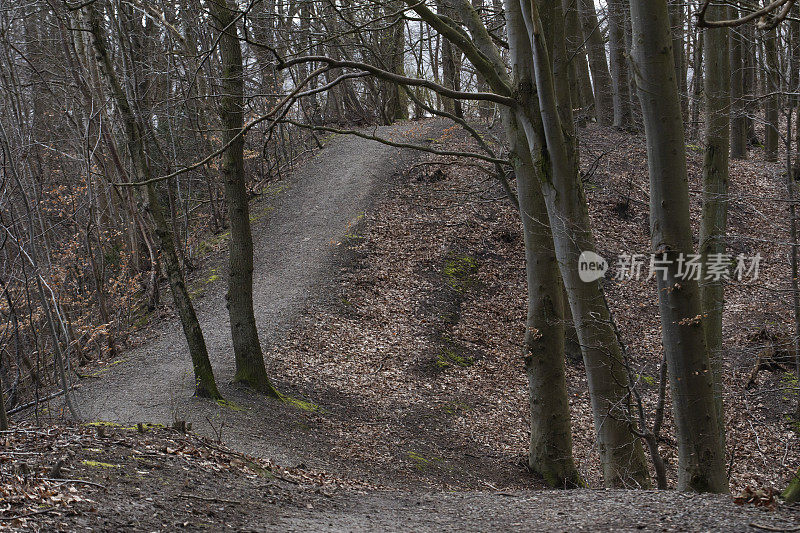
(449, 66)
(4, 415)
(205, 384)
(598, 65)
(697, 84)
(771, 100)
(738, 111)
(749, 82)
(623, 116)
(715, 189)
(239, 299)
(576, 53)
(701, 452)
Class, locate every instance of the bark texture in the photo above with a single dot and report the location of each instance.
(623, 114)
(772, 79)
(738, 137)
(715, 189)
(621, 452)
(550, 450)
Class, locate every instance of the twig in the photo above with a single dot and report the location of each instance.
(81, 481)
(40, 400)
(26, 515)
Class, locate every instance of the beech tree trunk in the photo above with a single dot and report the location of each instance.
(677, 13)
(450, 66)
(623, 116)
(239, 299)
(738, 112)
(550, 451)
(715, 188)
(701, 452)
(576, 54)
(4, 415)
(205, 385)
(601, 78)
(772, 78)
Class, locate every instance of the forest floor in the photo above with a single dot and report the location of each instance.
(389, 289)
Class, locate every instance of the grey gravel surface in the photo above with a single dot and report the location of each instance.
(557, 511)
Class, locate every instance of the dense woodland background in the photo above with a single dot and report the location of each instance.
(135, 134)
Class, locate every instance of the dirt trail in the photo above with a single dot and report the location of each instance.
(295, 249)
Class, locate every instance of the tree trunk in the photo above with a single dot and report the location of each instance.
(697, 84)
(598, 65)
(4, 415)
(738, 112)
(701, 453)
(623, 117)
(205, 384)
(576, 54)
(771, 98)
(239, 299)
(677, 18)
(715, 189)
(450, 75)
(550, 451)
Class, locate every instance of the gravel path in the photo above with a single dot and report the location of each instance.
(564, 511)
(543, 510)
(295, 249)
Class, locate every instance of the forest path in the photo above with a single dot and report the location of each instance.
(297, 254)
(295, 250)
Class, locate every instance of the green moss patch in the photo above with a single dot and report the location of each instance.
(301, 404)
(459, 271)
(99, 464)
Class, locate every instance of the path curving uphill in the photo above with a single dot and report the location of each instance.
(295, 248)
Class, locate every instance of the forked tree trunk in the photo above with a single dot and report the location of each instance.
(550, 450)
(239, 299)
(205, 386)
(701, 453)
(621, 452)
(715, 189)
